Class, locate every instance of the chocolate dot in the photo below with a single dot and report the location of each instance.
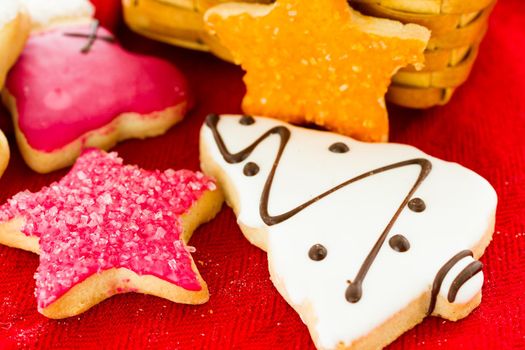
(317, 252)
(399, 243)
(250, 169)
(417, 204)
(246, 120)
(339, 147)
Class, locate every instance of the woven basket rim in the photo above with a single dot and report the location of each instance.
(431, 7)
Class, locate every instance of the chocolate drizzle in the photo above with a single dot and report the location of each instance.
(467, 273)
(417, 205)
(339, 147)
(317, 252)
(246, 120)
(250, 169)
(92, 36)
(440, 276)
(354, 291)
(399, 243)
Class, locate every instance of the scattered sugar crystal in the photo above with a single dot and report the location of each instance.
(106, 198)
(172, 264)
(160, 233)
(81, 175)
(141, 199)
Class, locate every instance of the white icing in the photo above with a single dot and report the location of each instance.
(44, 12)
(460, 208)
(8, 11)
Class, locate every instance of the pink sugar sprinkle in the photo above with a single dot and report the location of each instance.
(103, 214)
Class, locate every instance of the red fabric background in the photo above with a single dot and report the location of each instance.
(483, 127)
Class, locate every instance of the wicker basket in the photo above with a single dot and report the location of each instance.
(457, 26)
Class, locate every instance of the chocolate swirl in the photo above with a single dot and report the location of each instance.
(466, 274)
(440, 276)
(354, 291)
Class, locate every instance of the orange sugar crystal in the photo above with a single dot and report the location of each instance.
(317, 61)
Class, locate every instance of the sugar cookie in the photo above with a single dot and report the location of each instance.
(49, 13)
(82, 95)
(14, 29)
(4, 153)
(108, 228)
(363, 240)
(317, 61)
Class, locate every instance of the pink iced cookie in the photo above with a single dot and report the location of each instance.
(108, 228)
(74, 87)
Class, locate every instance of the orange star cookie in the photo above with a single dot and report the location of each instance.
(317, 61)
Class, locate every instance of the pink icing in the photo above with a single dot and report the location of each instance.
(103, 214)
(62, 93)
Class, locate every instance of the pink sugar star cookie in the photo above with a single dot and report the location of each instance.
(108, 228)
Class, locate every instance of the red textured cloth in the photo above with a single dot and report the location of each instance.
(483, 128)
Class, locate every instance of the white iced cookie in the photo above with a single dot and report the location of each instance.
(363, 240)
(48, 13)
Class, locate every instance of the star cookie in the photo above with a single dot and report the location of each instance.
(317, 61)
(364, 240)
(108, 228)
